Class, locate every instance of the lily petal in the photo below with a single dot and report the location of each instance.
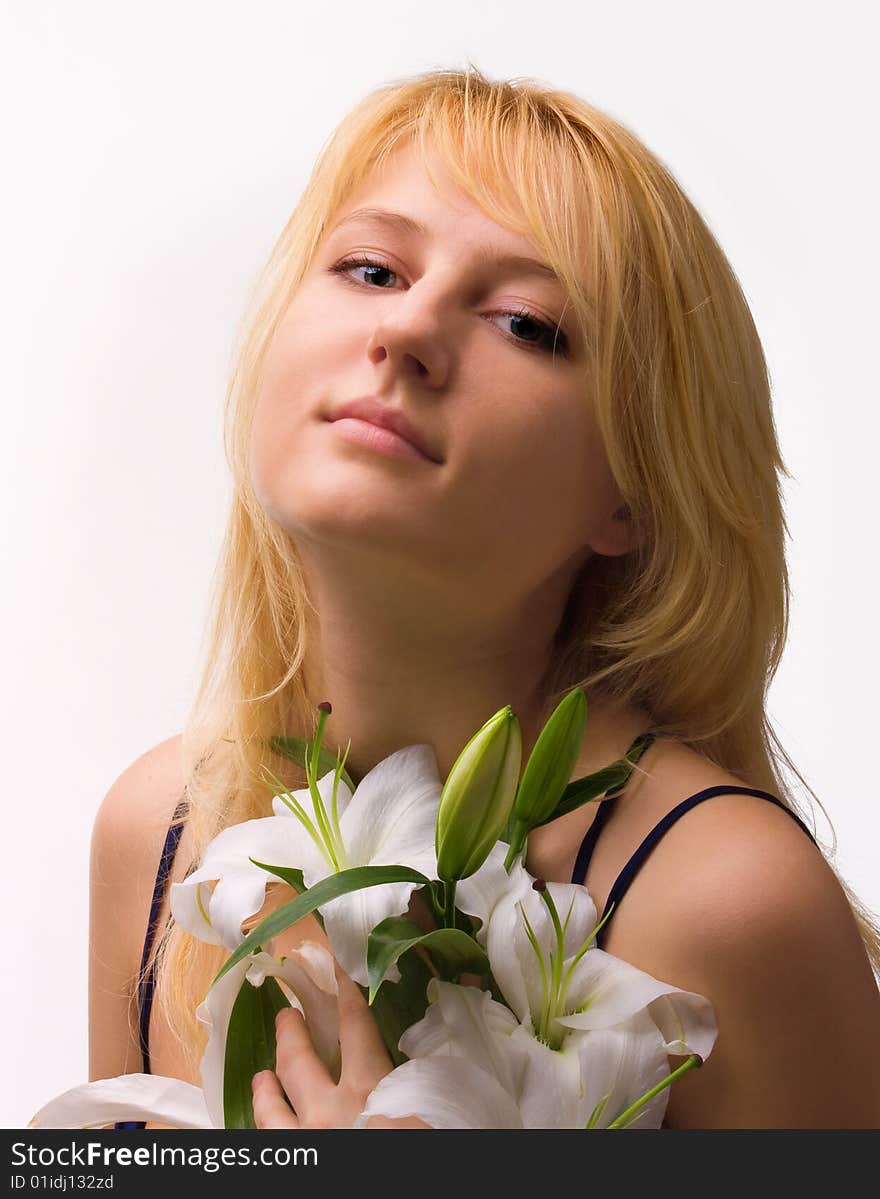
(551, 1093)
(619, 1065)
(613, 990)
(494, 897)
(686, 1021)
(149, 1098)
(466, 1022)
(393, 818)
(215, 1011)
(478, 894)
(445, 1092)
(241, 886)
(190, 902)
(349, 920)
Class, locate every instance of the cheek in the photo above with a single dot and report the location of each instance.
(542, 469)
(279, 423)
(537, 488)
(291, 486)
(270, 433)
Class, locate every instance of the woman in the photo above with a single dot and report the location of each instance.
(579, 486)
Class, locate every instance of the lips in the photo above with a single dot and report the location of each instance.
(373, 410)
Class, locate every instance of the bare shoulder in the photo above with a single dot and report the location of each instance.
(141, 796)
(127, 838)
(736, 903)
(129, 831)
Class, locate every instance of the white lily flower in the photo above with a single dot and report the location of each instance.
(388, 821)
(542, 954)
(150, 1098)
(444, 1092)
(216, 915)
(588, 1034)
(472, 1065)
(608, 1069)
(308, 979)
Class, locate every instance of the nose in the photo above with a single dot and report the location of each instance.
(410, 339)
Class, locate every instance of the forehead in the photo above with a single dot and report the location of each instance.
(401, 197)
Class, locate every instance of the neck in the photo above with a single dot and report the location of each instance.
(407, 660)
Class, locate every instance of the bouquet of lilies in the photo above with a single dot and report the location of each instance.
(502, 1013)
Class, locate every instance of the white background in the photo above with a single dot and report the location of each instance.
(152, 154)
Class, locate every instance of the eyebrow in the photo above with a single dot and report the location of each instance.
(407, 224)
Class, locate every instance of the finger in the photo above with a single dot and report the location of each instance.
(300, 1070)
(271, 1109)
(364, 1057)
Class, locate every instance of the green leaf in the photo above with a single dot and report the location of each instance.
(328, 888)
(250, 1047)
(287, 874)
(398, 1006)
(291, 876)
(452, 951)
(295, 749)
(592, 786)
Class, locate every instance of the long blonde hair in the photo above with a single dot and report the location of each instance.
(691, 625)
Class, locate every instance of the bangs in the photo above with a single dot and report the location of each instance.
(512, 152)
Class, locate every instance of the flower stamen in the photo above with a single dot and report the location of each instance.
(540, 1032)
(300, 813)
(327, 836)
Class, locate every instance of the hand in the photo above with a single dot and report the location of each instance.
(301, 1076)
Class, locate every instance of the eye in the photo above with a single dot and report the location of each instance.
(348, 264)
(537, 333)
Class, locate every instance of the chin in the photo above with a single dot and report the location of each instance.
(341, 516)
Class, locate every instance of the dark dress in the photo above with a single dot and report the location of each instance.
(147, 978)
(605, 809)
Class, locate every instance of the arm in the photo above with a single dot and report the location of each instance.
(127, 840)
(761, 926)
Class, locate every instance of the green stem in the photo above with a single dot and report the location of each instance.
(518, 835)
(312, 754)
(449, 903)
(435, 897)
(624, 1118)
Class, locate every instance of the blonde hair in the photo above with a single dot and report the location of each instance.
(690, 625)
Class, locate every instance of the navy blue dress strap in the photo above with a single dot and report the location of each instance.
(604, 809)
(628, 873)
(147, 977)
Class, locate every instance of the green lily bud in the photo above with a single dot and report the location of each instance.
(553, 758)
(477, 797)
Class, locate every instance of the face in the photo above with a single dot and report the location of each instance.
(441, 321)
